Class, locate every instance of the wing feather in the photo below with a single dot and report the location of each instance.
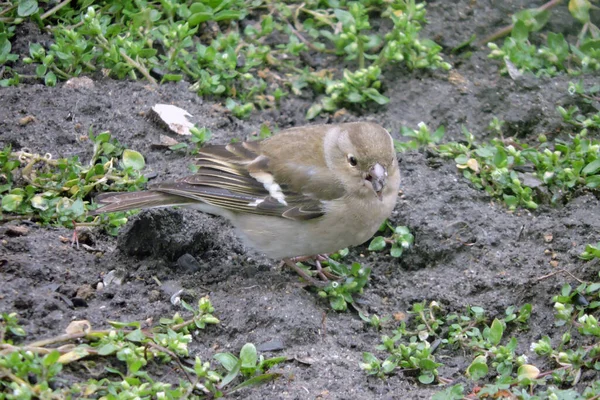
(238, 177)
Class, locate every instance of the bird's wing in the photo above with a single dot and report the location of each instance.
(237, 177)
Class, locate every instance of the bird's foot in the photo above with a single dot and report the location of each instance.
(292, 264)
(323, 274)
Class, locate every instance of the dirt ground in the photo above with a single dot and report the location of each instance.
(469, 250)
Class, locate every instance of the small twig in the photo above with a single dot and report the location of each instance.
(54, 9)
(542, 374)
(7, 10)
(558, 272)
(507, 29)
(69, 336)
(173, 355)
(14, 378)
(182, 325)
(7, 218)
(138, 66)
(306, 42)
(191, 389)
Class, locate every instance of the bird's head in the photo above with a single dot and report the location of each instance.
(363, 156)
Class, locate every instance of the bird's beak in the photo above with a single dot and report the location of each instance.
(377, 176)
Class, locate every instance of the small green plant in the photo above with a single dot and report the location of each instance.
(54, 191)
(421, 137)
(523, 174)
(352, 280)
(199, 137)
(591, 251)
(400, 240)
(414, 353)
(9, 327)
(33, 370)
(412, 344)
(250, 64)
(557, 55)
(249, 364)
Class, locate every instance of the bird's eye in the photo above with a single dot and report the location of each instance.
(352, 160)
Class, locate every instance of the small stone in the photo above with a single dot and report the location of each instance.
(26, 120)
(188, 263)
(85, 292)
(154, 295)
(548, 237)
(271, 345)
(16, 230)
(82, 82)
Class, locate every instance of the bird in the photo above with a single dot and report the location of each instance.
(304, 192)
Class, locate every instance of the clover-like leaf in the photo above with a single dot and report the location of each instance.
(133, 159)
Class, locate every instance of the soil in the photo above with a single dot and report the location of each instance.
(469, 249)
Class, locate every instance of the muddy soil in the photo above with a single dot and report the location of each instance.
(469, 250)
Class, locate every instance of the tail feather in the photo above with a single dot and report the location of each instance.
(133, 200)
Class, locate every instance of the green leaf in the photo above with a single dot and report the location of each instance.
(500, 158)
(377, 97)
(377, 244)
(178, 146)
(133, 159)
(226, 15)
(255, 381)
(478, 368)
(496, 330)
(592, 181)
(580, 10)
(50, 79)
(396, 251)
(455, 392)
(11, 202)
(107, 349)
(427, 364)
(590, 45)
(438, 134)
(227, 360)
(344, 17)
(27, 8)
(426, 378)
(172, 77)
(50, 358)
(338, 303)
(39, 203)
(248, 356)
(77, 208)
(199, 18)
(592, 167)
(369, 358)
(533, 19)
(41, 70)
(120, 325)
(235, 371)
(136, 336)
(520, 32)
(461, 159)
(314, 110)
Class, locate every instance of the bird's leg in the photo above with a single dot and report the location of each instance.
(320, 271)
(317, 260)
(75, 238)
(292, 264)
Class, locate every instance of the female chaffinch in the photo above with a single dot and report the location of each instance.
(305, 191)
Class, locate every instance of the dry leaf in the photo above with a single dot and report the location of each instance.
(174, 117)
